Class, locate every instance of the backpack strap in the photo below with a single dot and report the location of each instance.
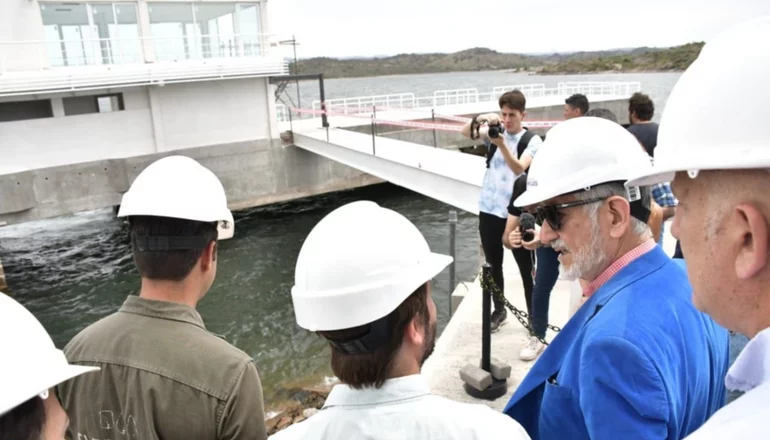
(491, 149)
(520, 148)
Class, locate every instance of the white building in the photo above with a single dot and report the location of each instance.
(83, 81)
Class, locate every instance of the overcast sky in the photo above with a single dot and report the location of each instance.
(343, 28)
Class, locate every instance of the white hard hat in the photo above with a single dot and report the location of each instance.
(716, 116)
(31, 362)
(580, 153)
(357, 265)
(179, 187)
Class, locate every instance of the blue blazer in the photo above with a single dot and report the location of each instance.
(637, 361)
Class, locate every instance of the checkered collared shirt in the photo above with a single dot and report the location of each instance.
(619, 264)
(663, 195)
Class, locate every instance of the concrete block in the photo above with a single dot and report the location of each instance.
(476, 377)
(499, 369)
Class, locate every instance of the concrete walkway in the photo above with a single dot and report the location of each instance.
(460, 343)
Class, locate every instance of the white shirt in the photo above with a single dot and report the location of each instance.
(497, 188)
(403, 408)
(748, 417)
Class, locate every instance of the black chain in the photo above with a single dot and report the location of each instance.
(521, 316)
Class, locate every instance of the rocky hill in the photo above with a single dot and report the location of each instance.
(478, 59)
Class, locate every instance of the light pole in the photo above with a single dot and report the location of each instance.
(294, 43)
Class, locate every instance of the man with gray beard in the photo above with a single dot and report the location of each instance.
(637, 360)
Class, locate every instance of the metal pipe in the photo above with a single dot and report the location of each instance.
(486, 307)
(374, 130)
(453, 253)
(435, 141)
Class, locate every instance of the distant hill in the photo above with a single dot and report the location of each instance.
(478, 59)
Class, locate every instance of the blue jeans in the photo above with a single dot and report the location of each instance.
(545, 278)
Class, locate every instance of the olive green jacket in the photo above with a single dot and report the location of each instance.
(163, 376)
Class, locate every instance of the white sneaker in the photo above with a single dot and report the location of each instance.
(533, 348)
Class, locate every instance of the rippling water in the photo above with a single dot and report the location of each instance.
(75, 270)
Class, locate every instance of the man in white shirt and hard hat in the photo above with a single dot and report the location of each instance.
(721, 178)
(637, 360)
(163, 374)
(30, 369)
(362, 282)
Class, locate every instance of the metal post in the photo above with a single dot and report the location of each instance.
(453, 253)
(296, 68)
(374, 130)
(486, 306)
(433, 117)
(324, 118)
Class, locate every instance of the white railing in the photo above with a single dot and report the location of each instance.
(112, 51)
(456, 96)
(598, 88)
(471, 95)
(529, 90)
(358, 104)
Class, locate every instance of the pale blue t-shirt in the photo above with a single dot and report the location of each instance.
(497, 188)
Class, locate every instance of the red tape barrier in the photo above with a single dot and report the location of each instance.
(532, 123)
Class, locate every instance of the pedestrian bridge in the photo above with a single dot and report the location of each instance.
(451, 177)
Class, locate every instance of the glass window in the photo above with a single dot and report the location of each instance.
(110, 35)
(205, 30)
(173, 31)
(82, 105)
(248, 29)
(21, 110)
(66, 27)
(217, 25)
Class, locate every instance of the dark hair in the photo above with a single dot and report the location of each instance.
(168, 265)
(578, 101)
(642, 106)
(514, 100)
(602, 113)
(24, 422)
(372, 369)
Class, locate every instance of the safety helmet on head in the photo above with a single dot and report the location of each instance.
(179, 187)
(31, 363)
(357, 265)
(579, 154)
(716, 116)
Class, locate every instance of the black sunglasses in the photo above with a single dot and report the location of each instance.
(553, 215)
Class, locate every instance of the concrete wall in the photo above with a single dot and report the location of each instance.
(41, 143)
(20, 20)
(253, 173)
(212, 112)
(155, 119)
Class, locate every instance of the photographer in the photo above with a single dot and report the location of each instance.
(546, 274)
(510, 151)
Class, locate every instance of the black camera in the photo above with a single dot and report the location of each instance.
(527, 223)
(495, 131)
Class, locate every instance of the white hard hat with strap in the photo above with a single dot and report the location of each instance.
(357, 265)
(579, 154)
(716, 115)
(31, 362)
(179, 187)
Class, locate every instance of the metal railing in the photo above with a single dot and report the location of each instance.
(598, 88)
(358, 104)
(529, 90)
(471, 95)
(112, 51)
(456, 96)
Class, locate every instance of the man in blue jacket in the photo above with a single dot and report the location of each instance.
(637, 360)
